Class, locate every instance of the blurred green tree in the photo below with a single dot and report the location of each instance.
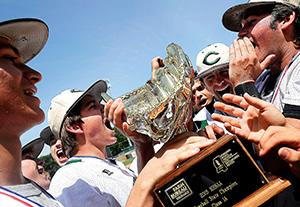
(50, 165)
(121, 143)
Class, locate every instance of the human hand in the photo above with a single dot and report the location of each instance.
(156, 63)
(284, 143)
(173, 153)
(212, 132)
(114, 111)
(244, 65)
(253, 118)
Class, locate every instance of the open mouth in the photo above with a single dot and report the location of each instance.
(107, 124)
(29, 92)
(60, 154)
(225, 90)
(202, 102)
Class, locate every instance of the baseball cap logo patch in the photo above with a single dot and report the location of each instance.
(213, 61)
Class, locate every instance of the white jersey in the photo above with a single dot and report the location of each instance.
(29, 194)
(91, 181)
(287, 89)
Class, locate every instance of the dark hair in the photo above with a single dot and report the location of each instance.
(279, 12)
(68, 139)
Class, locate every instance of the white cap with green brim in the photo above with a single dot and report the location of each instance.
(63, 103)
(233, 16)
(28, 35)
(212, 58)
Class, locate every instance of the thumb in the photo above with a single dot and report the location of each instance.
(267, 61)
(289, 155)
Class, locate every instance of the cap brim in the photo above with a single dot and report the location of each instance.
(233, 16)
(35, 146)
(95, 91)
(28, 35)
(213, 69)
(46, 135)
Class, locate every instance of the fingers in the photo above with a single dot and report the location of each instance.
(218, 130)
(238, 100)
(233, 110)
(233, 130)
(214, 132)
(267, 61)
(156, 63)
(210, 132)
(257, 103)
(107, 107)
(113, 110)
(289, 155)
(279, 136)
(184, 147)
(292, 157)
(172, 154)
(221, 118)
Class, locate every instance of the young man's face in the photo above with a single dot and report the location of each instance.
(218, 83)
(56, 151)
(256, 26)
(17, 88)
(96, 127)
(33, 169)
(201, 96)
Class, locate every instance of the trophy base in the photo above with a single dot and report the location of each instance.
(223, 174)
(275, 186)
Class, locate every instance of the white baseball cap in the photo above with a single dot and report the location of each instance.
(63, 103)
(213, 57)
(233, 16)
(28, 35)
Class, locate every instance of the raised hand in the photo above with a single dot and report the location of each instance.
(244, 65)
(253, 118)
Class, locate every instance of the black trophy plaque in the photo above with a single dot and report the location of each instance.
(220, 175)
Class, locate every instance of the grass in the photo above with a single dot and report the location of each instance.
(127, 162)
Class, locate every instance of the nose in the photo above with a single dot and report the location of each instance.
(243, 32)
(58, 144)
(101, 107)
(31, 74)
(219, 80)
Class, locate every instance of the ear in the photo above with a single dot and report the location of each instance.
(287, 21)
(75, 129)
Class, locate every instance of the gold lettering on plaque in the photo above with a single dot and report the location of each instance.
(178, 192)
(215, 186)
(223, 161)
(228, 188)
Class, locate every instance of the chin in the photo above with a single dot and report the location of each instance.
(39, 116)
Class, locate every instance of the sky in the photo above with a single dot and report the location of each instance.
(116, 40)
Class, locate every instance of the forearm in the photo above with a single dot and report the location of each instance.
(142, 193)
(144, 152)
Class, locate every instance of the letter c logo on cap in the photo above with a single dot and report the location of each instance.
(206, 62)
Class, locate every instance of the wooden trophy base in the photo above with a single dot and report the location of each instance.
(275, 186)
(223, 174)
